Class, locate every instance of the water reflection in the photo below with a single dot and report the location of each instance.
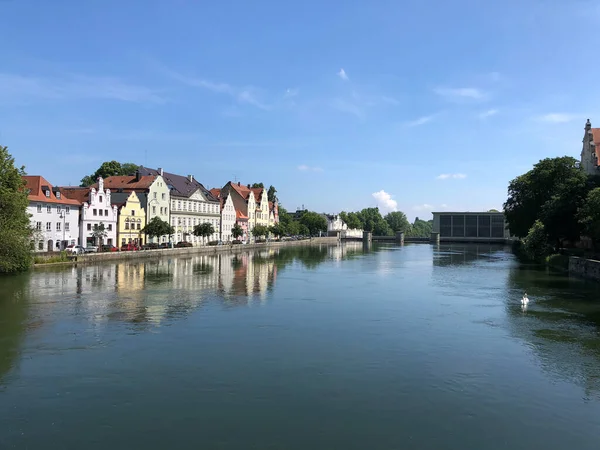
(458, 254)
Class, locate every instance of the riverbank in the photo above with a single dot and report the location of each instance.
(95, 258)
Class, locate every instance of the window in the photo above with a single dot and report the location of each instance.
(39, 208)
(471, 226)
(48, 226)
(132, 212)
(57, 226)
(179, 206)
(123, 241)
(57, 194)
(49, 209)
(38, 226)
(41, 245)
(59, 209)
(100, 212)
(155, 194)
(127, 225)
(67, 226)
(163, 196)
(498, 226)
(139, 226)
(95, 212)
(89, 227)
(110, 227)
(445, 225)
(458, 226)
(47, 193)
(67, 209)
(179, 221)
(154, 210)
(106, 212)
(484, 226)
(100, 199)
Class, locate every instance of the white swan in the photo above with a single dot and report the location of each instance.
(525, 299)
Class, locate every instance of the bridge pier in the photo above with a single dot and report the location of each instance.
(400, 237)
(367, 237)
(435, 238)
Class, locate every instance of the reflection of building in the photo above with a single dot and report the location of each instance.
(450, 255)
(470, 226)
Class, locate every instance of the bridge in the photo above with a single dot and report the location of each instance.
(400, 238)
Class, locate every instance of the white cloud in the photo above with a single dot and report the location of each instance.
(488, 113)
(385, 201)
(448, 176)
(466, 92)
(420, 121)
(305, 168)
(342, 75)
(75, 87)
(558, 117)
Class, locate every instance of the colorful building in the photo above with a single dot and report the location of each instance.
(132, 218)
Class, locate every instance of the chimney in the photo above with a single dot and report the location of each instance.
(138, 175)
(248, 186)
(160, 171)
(239, 184)
(191, 178)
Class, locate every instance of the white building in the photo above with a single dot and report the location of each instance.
(590, 153)
(54, 217)
(228, 214)
(96, 209)
(336, 226)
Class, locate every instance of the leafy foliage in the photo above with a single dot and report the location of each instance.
(258, 185)
(204, 230)
(158, 227)
(397, 221)
(589, 216)
(237, 231)
(277, 230)
(420, 228)
(260, 231)
(535, 244)
(15, 229)
(314, 222)
(99, 232)
(108, 169)
(272, 193)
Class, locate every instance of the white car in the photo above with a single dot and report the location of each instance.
(75, 249)
(91, 248)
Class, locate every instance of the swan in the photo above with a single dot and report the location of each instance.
(525, 299)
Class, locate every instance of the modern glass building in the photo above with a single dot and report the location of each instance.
(470, 226)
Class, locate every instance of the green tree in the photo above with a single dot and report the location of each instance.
(284, 217)
(314, 222)
(109, 169)
(204, 230)
(293, 228)
(589, 216)
(272, 193)
(237, 231)
(15, 229)
(421, 228)
(258, 185)
(277, 230)
(157, 228)
(259, 231)
(397, 221)
(535, 244)
(99, 233)
(303, 230)
(551, 192)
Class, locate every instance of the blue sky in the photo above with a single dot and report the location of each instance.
(412, 105)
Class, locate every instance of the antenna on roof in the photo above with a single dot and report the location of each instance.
(235, 178)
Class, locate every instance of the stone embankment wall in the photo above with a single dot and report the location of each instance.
(586, 268)
(96, 258)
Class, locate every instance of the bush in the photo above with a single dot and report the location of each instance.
(558, 261)
(535, 244)
(61, 257)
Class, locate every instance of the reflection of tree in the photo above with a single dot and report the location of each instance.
(13, 320)
(560, 325)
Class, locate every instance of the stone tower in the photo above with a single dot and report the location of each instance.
(589, 157)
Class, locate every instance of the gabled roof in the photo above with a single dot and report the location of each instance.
(37, 184)
(81, 194)
(180, 185)
(257, 193)
(216, 192)
(240, 215)
(120, 198)
(241, 189)
(128, 182)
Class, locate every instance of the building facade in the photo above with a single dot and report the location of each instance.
(96, 209)
(191, 204)
(228, 214)
(590, 152)
(244, 202)
(470, 226)
(54, 216)
(132, 219)
(151, 190)
(261, 216)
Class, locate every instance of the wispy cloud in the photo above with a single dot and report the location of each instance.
(558, 117)
(248, 95)
(449, 176)
(488, 113)
(305, 168)
(461, 93)
(348, 107)
(420, 121)
(74, 87)
(342, 74)
(385, 202)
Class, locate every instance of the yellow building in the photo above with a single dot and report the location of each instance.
(132, 218)
(262, 206)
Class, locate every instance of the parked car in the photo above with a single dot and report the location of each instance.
(75, 250)
(150, 246)
(183, 244)
(129, 247)
(91, 248)
(165, 245)
(109, 248)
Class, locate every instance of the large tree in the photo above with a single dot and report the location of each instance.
(397, 221)
(314, 222)
(15, 229)
(589, 216)
(420, 228)
(204, 230)
(109, 169)
(259, 231)
(99, 233)
(237, 231)
(550, 192)
(157, 228)
(272, 193)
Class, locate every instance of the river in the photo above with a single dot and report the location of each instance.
(322, 347)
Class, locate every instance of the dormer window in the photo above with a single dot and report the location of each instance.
(47, 193)
(57, 194)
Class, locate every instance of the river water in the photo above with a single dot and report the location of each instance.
(412, 347)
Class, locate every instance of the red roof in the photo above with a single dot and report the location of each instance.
(257, 193)
(128, 182)
(37, 185)
(81, 194)
(241, 189)
(240, 215)
(216, 192)
(596, 136)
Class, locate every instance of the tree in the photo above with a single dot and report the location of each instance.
(157, 228)
(272, 193)
(535, 243)
(284, 217)
(259, 231)
(15, 229)
(109, 169)
(99, 233)
(589, 216)
(277, 230)
(397, 221)
(303, 230)
(314, 222)
(237, 231)
(204, 230)
(493, 210)
(551, 192)
(258, 185)
(420, 228)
